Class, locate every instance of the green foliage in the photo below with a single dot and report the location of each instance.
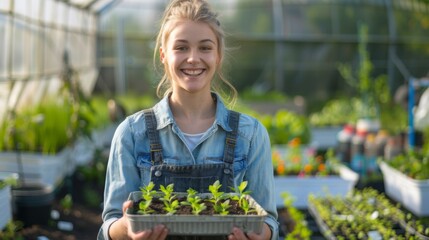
(222, 208)
(300, 229)
(241, 193)
(285, 126)
(9, 181)
(170, 200)
(372, 91)
(67, 203)
(363, 211)
(414, 164)
(217, 196)
(147, 195)
(10, 232)
(272, 96)
(194, 201)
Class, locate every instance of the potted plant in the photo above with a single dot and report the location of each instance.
(364, 214)
(36, 143)
(293, 224)
(406, 180)
(192, 213)
(6, 181)
(301, 172)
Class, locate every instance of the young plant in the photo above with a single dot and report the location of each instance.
(243, 203)
(194, 201)
(241, 194)
(170, 200)
(222, 208)
(246, 206)
(217, 196)
(147, 196)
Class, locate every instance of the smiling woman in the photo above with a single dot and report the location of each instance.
(189, 138)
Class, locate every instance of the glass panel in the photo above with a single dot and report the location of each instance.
(3, 47)
(35, 9)
(249, 17)
(74, 18)
(20, 48)
(49, 10)
(53, 46)
(21, 7)
(61, 14)
(5, 5)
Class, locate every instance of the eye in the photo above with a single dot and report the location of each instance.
(206, 48)
(180, 48)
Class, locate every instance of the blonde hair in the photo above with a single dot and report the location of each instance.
(198, 11)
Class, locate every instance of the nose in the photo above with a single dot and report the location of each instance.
(193, 56)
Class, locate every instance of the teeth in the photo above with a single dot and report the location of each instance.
(193, 72)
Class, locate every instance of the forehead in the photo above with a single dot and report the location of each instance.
(190, 31)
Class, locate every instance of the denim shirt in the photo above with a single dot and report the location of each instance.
(129, 161)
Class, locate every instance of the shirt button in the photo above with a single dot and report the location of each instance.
(226, 171)
(158, 173)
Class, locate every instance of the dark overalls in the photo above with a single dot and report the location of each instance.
(197, 177)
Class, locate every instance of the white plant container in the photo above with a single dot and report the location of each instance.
(301, 187)
(412, 194)
(200, 224)
(37, 168)
(6, 200)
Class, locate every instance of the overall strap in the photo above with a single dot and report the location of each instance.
(231, 137)
(155, 144)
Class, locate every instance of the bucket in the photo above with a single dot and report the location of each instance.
(33, 203)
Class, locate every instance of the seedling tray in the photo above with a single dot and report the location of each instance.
(198, 224)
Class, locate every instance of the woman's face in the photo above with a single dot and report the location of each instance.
(190, 56)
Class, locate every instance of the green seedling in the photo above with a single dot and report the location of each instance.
(222, 208)
(217, 196)
(170, 200)
(147, 195)
(241, 194)
(194, 201)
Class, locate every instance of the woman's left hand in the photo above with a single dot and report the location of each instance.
(238, 234)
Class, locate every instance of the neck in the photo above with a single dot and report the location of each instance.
(193, 114)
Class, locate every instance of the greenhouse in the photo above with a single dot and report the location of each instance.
(340, 88)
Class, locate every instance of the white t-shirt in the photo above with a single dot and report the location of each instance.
(191, 140)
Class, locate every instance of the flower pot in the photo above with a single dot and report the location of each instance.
(301, 187)
(37, 168)
(412, 194)
(33, 203)
(198, 224)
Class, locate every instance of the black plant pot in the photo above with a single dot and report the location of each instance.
(33, 203)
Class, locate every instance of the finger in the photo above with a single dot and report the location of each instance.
(159, 232)
(126, 205)
(238, 234)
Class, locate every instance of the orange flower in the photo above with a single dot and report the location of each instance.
(295, 142)
(281, 169)
(296, 159)
(308, 168)
(321, 167)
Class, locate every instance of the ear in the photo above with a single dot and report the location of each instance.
(161, 54)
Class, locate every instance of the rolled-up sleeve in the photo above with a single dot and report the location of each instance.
(122, 177)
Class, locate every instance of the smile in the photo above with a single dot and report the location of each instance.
(193, 73)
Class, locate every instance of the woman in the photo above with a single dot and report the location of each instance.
(189, 138)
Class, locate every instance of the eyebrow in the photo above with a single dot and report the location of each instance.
(202, 41)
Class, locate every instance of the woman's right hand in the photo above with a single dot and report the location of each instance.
(121, 229)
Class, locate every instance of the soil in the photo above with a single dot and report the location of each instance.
(158, 208)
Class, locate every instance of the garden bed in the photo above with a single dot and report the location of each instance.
(363, 215)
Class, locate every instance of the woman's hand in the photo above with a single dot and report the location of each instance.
(238, 234)
(121, 229)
